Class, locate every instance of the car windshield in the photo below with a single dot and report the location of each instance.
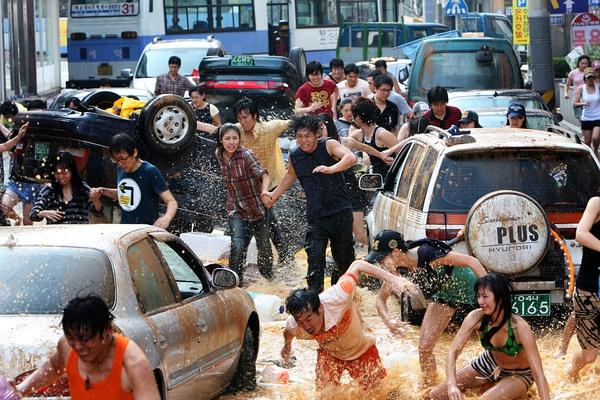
(156, 61)
(42, 280)
(534, 121)
(461, 70)
(557, 180)
(481, 102)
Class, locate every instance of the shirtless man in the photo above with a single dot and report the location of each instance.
(86, 355)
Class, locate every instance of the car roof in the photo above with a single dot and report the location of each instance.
(501, 138)
(494, 92)
(261, 62)
(183, 44)
(99, 236)
(498, 110)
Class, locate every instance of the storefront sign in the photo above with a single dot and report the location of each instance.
(585, 30)
(520, 20)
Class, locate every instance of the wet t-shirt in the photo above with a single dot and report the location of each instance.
(345, 335)
(430, 279)
(138, 194)
(309, 94)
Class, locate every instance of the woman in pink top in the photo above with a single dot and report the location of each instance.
(575, 77)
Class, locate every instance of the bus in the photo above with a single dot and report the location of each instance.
(107, 36)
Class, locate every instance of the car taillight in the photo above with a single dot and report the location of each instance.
(271, 85)
(443, 226)
(59, 388)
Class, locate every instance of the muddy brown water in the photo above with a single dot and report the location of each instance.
(399, 354)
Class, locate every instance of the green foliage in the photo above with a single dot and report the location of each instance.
(561, 67)
(593, 52)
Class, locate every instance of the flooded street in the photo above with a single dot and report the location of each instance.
(399, 354)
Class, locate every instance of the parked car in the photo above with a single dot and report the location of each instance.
(154, 60)
(270, 80)
(536, 119)
(199, 331)
(435, 188)
(101, 97)
(501, 98)
(462, 64)
(165, 131)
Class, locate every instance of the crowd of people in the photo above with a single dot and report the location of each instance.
(338, 119)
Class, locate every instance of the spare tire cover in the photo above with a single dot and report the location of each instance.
(507, 231)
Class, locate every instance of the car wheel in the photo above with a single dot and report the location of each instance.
(168, 124)
(101, 99)
(245, 375)
(298, 58)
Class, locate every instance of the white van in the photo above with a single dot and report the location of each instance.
(154, 60)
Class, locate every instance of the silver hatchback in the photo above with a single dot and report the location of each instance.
(199, 331)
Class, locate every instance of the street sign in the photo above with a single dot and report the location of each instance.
(456, 8)
(585, 30)
(520, 21)
(568, 6)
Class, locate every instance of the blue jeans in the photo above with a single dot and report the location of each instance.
(241, 232)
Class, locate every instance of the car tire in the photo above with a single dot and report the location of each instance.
(245, 375)
(298, 57)
(102, 99)
(168, 124)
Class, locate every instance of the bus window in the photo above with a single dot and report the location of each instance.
(311, 13)
(358, 10)
(209, 16)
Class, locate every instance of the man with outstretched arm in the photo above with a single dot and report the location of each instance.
(332, 319)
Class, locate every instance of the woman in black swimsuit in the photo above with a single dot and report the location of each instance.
(208, 118)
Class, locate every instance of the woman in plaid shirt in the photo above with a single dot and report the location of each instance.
(247, 184)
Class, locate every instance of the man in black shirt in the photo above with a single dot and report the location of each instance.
(318, 165)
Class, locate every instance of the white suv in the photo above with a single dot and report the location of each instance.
(154, 60)
(510, 189)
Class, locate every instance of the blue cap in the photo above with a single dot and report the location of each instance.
(516, 110)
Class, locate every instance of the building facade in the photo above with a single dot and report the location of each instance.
(30, 62)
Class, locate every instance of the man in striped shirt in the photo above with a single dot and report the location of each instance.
(440, 113)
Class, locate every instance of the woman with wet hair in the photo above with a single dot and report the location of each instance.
(511, 360)
(67, 199)
(247, 185)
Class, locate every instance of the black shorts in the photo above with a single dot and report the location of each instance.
(589, 125)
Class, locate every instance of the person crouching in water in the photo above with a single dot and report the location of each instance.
(247, 184)
(332, 319)
(433, 272)
(511, 360)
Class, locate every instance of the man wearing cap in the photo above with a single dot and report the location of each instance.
(469, 120)
(441, 114)
(433, 271)
(516, 117)
(332, 319)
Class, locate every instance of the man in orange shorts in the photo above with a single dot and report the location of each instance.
(333, 320)
(99, 363)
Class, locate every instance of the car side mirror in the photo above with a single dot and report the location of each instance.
(371, 182)
(558, 117)
(224, 278)
(403, 75)
(126, 73)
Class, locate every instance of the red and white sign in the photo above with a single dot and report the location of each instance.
(585, 30)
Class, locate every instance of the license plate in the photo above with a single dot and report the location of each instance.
(531, 304)
(242, 61)
(104, 69)
(41, 150)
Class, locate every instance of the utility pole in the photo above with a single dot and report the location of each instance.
(2, 62)
(540, 49)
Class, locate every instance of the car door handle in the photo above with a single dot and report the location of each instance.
(160, 339)
(202, 326)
